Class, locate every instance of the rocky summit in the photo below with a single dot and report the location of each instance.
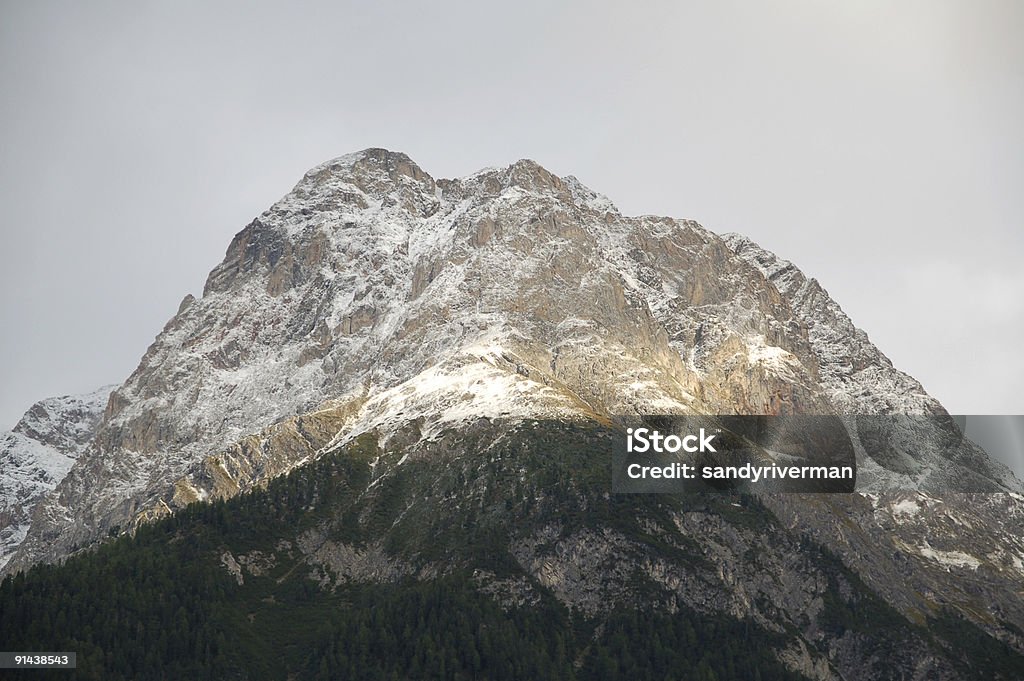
(428, 325)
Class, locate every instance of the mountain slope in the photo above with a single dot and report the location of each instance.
(481, 338)
(496, 554)
(370, 274)
(38, 453)
(862, 382)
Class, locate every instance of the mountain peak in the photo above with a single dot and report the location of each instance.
(408, 300)
(371, 157)
(376, 174)
(444, 365)
(529, 174)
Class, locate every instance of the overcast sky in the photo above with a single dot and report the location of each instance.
(878, 145)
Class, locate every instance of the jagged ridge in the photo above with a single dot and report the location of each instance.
(373, 299)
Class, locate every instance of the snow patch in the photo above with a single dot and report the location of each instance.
(905, 507)
(957, 559)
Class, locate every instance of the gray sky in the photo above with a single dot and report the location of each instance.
(878, 145)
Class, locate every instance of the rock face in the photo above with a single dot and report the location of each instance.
(860, 382)
(374, 299)
(38, 453)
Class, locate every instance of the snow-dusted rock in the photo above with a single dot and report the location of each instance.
(373, 296)
(38, 453)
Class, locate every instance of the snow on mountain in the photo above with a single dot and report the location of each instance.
(38, 453)
(373, 296)
(861, 382)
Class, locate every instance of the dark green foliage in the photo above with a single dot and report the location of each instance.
(161, 605)
(655, 646)
(980, 655)
(135, 606)
(442, 630)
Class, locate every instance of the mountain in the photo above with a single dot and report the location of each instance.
(451, 358)
(38, 453)
(495, 551)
